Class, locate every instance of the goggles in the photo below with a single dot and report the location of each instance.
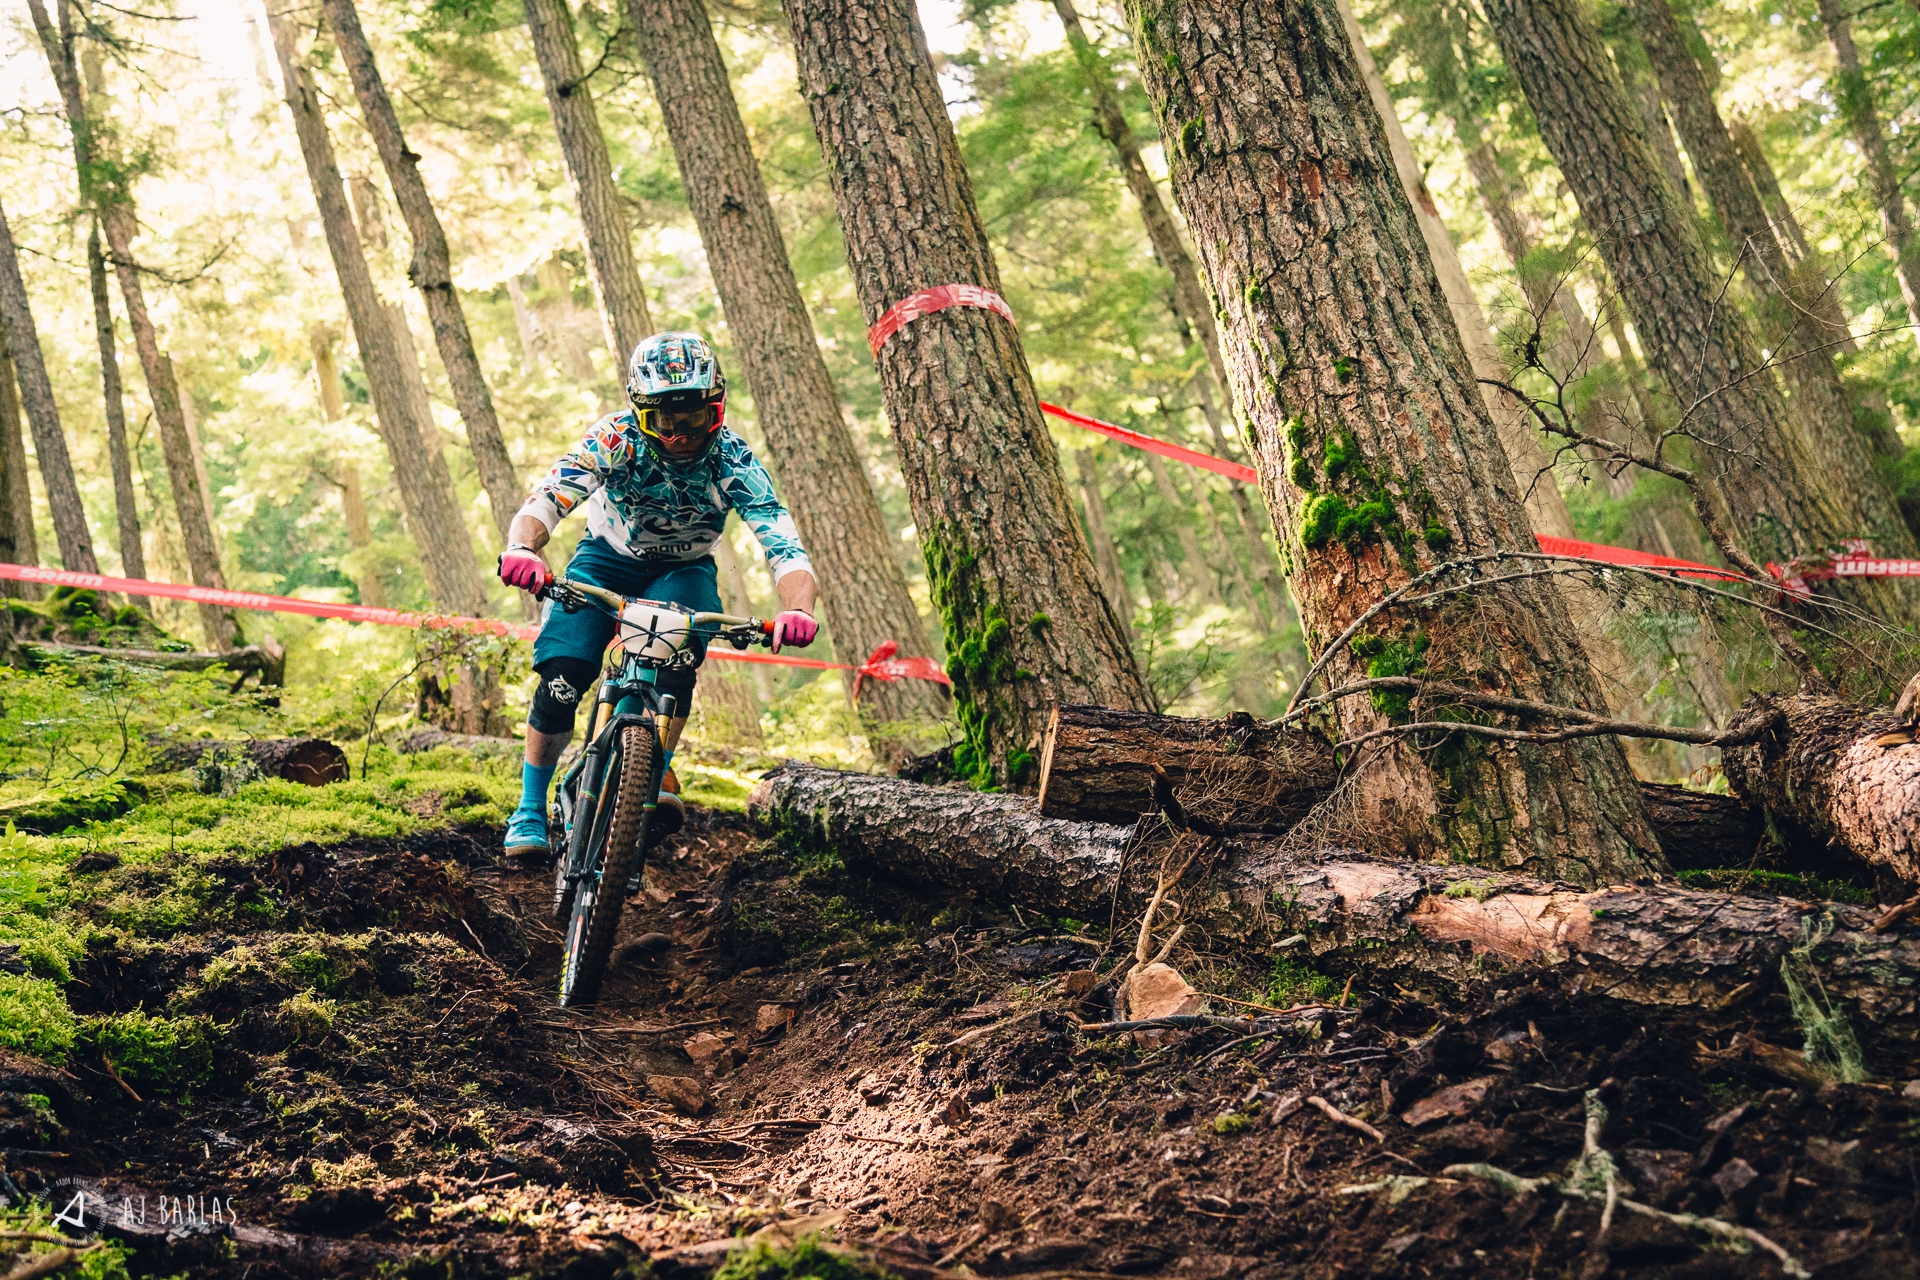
(675, 425)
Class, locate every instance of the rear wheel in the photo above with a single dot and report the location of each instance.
(600, 896)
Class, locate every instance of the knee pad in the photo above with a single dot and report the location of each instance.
(563, 683)
(679, 683)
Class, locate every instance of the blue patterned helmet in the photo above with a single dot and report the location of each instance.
(679, 394)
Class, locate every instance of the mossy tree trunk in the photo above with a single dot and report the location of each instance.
(431, 268)
(43, 415)
(126, 502)
(822, 479)
(18, 544)
(1782, 496)
(603, 214)
(1027, 625)
(1375, 449)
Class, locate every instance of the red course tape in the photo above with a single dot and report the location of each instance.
(928, 301)
(881, 665)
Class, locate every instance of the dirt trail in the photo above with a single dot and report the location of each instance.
(392, 1092)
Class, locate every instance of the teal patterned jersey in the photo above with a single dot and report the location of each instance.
(661, 511)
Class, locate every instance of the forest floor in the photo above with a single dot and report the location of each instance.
(389, 1090)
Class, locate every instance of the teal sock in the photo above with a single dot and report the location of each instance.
(534, 782)
(669, 763)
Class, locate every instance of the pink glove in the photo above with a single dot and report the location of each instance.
(521, 567)
(794, 628)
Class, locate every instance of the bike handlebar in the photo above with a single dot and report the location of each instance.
(615, 603)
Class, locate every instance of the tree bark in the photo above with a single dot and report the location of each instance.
(1440, 928)
(421, 740)
(820, 473)
(1789, 298)
(426, 491)
(1855, 94)
(43, 416)
(1701, 830)
(1546, 508)
(603, 214)
(195, 449)
(740, 600)
(18, 542)
(1190, 301)
(1096, 765)
(1254, 529)
(1026, 622)
(343, 473)
(1842, 774)
(114, 205)
(1348, 364)
(313, 762)
(126, 501)
(1782, 496)
(431, 267)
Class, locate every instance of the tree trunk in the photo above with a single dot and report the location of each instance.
(1782, 498)
(18, 542)
(1780, 214)
(603, 214)
(1026, 622)
(195, 448)
(426, 491)
(1631, 61)
(1701, 830)
(740, 600)
(1190, 301)
(1355, 382)
(343, 473)
(1855, 94)
(126, 501)
(820, 473)
(1435, 927)
(1845, 775)
(1254, 529)
(313, 762)
(1546, 508)
(431, 268)
(1105, 557)
(524, 325)
(1789, 298)
(43, 416)
(113, 203)
(1096, 765)
(421, 740)
(1195, 567)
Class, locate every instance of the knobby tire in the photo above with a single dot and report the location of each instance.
(599, 900)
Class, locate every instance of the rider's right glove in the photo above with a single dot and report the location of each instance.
(795, 628)
(522, 567)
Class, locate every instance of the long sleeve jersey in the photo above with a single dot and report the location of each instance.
(670, 513)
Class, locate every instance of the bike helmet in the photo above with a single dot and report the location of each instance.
(679, 395)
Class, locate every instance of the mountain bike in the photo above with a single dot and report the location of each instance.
(608, 800)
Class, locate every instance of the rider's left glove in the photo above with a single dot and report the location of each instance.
(522, 567)
(795, 628)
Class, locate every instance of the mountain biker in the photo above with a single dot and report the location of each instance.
(658, 480)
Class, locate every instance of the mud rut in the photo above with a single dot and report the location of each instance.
(746, 1079)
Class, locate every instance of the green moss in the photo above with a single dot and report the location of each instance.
(1193, 137)
(1386, 658)
(168, 1055)
(1019, 765)
(1478, 890)
(980, 660)
(809, 1259)
(1038, 624)
(1295, 982)
(1300, 473)
(1344, 367)
(1803, 887)
(1231, 1124)
(307, 1017)
(34, 1017)
(1339, 451)
(1296, 429)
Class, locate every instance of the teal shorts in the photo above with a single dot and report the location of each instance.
(583, 636)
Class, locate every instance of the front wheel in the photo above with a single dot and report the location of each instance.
(600, 895)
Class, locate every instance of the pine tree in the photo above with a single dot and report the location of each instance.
(1784, 491)
(431, 267)
(821, 477)
(1027, 625)
(603, 215)
(1375, 449)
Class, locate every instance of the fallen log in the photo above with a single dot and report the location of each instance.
(1096, 765)
(1434, 927)
(313, 762)
(1834, 773)
(428, 738)
(269, 659)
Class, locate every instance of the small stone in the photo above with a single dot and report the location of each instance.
(683, 1093)
(769, 1017)
(1079, 985)
(994, 1215)
(1912, 1090)
(1448, 1103)
(652, 943)
(1158, 991)
(954, 1113)
(710, 1052)
(1735, 1176)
